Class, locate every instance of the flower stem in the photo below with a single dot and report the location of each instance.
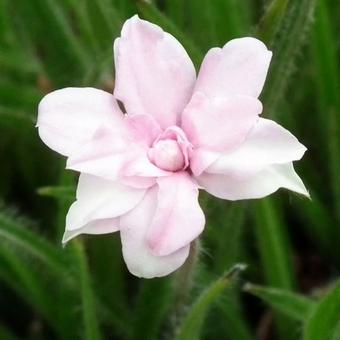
(184, 281)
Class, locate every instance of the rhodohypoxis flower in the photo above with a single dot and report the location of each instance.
(141, 171)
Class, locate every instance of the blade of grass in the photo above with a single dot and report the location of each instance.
(13, 231)
(295, 306)
(324, 319)
(224, 242)
(53, 13)
(275, 252)
(30, 286)
(271, 20)
(328, 81)
(90, 321)
(154, 301)
(108, 277)
(232, 317)
(62, 54)
(193, 322)
(273, 244)
(59, 192)
(286, 46)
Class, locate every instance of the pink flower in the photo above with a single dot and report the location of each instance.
(140, 172)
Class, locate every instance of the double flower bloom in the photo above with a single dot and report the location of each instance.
(140, 172)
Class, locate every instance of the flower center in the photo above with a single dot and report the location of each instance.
(167, 155)
(170, 151)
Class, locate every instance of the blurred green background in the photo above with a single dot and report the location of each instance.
(291, 245)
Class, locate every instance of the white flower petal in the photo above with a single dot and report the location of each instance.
(259, 185)
(69, 117)
(100, 199)
(240, 67)
(154, 74)
(102, 226)
(137, 255)
(267, 143)
(178, 218)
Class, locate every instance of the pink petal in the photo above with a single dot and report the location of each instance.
(102, 226)
(137, 255)
(103, 156)
(201, 159)
(259, 185)
(239, 68)
(112, 155)
(154, 74)
(143, 128)
(267, 143)
(100, 199)
(139, 181)
(140, 165)
(221, 123)
(69, 117)
(178, 219)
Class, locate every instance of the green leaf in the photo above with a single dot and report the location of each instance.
(294, 305)
(271, 20)
(154, 301)
(59, 192)
(275, 252)
(109, 276)
(90, 321)
(273, 244)
(324, 319)
(45, 27)
(14, 231)
(29, 285)
(231, 316)
(193, 321)
(224, 241)
(328, 84)
(286, 46)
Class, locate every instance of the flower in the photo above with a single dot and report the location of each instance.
(141, 171)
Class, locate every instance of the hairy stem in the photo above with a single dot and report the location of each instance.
(184, 281)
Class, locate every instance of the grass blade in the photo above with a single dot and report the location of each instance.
(293, 305)
(193, 322)
(90, 321)
(286, 46)
(59, 192)
(13, 231)
(154, 301)
(275, 252)
(328, 81)
(271, 20)
(324, 319)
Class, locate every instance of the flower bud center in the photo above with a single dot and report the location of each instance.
(167, 155)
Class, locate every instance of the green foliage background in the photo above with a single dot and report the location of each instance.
(291, 245)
